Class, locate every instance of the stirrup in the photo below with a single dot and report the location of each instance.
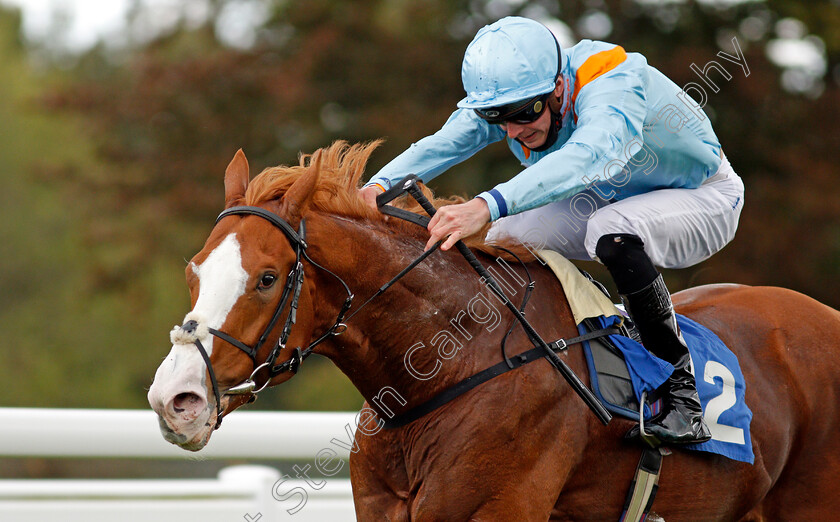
(646, 437)
(639, 431)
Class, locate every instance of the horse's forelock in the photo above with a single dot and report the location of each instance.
(342, 167)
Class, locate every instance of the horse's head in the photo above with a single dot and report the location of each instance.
(250, 306)
(254, 288)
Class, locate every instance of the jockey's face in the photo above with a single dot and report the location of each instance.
(534, 134)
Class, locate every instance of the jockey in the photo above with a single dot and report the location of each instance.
(620, 166)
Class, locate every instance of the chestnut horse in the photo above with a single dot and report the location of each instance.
(521, 446)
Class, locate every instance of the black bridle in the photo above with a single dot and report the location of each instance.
(294, 283)
(290, 296)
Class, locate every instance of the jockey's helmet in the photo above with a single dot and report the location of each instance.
(509, 61)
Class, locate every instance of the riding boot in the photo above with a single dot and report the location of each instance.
(681, 418)
(648, 302)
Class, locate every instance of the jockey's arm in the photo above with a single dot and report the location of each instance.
(461, 136)
(608, 119)
(611, 111)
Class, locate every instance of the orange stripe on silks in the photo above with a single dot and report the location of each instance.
(526, 150)
(596, 65)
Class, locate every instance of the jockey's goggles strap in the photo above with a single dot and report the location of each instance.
(522, 112)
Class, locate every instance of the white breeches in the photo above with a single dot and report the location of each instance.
(680, 227)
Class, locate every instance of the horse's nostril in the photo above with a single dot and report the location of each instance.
(186, 401)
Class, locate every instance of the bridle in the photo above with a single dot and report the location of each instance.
(290, 296)
(294, 283)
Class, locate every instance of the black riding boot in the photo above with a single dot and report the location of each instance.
(648, 302)
(681, 418)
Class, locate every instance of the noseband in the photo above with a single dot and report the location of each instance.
(290, 295)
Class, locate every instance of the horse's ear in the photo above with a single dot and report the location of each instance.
(297, 199)
(236, 180)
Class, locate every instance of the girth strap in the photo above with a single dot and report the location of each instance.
(644, 486)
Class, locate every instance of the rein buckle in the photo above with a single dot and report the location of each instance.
(339, 329)
(559, 345)
(296, 360)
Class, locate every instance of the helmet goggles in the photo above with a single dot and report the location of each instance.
(523, 112)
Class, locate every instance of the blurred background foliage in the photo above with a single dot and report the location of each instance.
(112, 159)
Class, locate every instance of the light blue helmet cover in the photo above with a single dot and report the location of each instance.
(510, 60)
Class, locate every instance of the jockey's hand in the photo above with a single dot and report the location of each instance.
(368, 195)
(457, 222)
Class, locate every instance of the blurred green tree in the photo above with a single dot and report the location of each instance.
(167, 115)
(58, 337)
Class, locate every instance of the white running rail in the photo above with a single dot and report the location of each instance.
(239, 493)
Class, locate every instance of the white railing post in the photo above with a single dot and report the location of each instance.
(259, 479)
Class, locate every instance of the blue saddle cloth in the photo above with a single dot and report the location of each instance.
(720, 385)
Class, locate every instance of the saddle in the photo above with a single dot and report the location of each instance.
(609, 375)
(618, 361)
(625, 376)
(593, 309)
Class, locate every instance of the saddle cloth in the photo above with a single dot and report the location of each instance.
(621, 369)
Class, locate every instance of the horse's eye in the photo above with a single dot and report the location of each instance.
(267, 281)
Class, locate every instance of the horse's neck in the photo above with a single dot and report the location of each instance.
(414, 310)
(436, 326)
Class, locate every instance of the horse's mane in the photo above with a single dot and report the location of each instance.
(342, 167)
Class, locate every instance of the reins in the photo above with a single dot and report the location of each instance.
(409, 185)
(291, 294)
(292, 288)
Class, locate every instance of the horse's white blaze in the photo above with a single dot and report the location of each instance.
(222, 281)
